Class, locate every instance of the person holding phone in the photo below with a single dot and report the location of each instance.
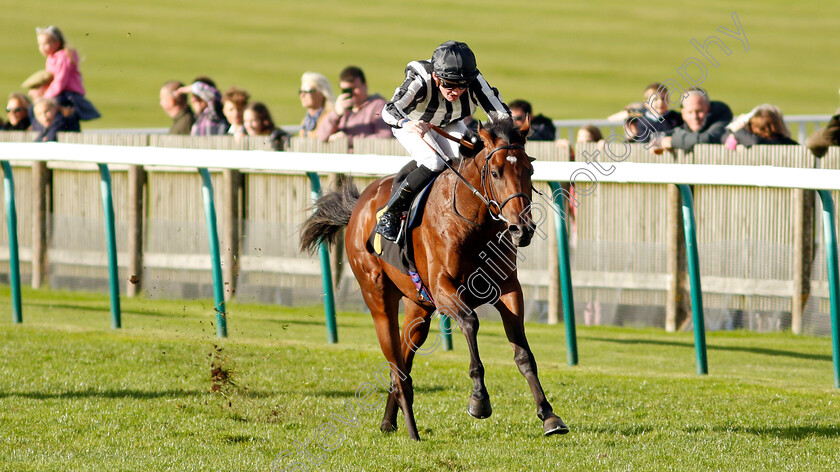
(356, 114)
(442, 92)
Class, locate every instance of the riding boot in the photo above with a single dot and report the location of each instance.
(389, 223)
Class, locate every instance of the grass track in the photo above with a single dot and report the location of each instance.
(570, 59)
(77, 395)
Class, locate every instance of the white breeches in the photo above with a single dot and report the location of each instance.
(427, 150)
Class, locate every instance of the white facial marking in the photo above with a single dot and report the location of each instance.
(511, 159)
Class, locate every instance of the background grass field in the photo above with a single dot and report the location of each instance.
(570, 59)
(77, 395)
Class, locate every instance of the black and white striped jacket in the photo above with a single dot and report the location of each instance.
(418, 99)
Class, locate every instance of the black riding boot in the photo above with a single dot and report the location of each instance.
(389, 223)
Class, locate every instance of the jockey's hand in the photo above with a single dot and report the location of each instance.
(476, 142)
(420, 128)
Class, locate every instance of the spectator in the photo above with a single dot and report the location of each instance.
(356, 114)
(763, 125)
(175, 105)
(50, 120)
(819, 141)
(542, 129)
(316, 96)
(704, 123)
(206, 102)
(66, 85)
(67, 116)
(585, 134)
(589, 134)
(258, 122)
(17, 112)
(233, 105)
(36, 84)
(644, 120)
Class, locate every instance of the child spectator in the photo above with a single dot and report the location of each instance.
(206, 102)
(763, 125)
(63, 63)
(233, 105)
(652, 117)
(49, 120)
(589, 134)
(258, 122)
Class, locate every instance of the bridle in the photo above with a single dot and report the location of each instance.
(491, 200)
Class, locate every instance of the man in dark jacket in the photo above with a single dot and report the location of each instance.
(704, 123)
(177, 108)
(542, 129)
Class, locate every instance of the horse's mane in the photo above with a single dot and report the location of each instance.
(502, 126)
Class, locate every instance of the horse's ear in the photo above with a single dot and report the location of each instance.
(485, 135)
(526, 126)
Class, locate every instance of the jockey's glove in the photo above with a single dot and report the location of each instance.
(476, 142)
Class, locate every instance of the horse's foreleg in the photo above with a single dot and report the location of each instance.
(415, 330)
(450, 304)
(510, 306)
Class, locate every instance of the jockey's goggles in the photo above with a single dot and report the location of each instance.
(452, 84)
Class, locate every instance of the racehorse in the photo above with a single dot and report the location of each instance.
(472, 223)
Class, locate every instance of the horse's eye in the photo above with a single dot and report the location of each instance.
(494, 174)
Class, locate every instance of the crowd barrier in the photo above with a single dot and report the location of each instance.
(623, 248)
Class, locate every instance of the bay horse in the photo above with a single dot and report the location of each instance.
(464, 231)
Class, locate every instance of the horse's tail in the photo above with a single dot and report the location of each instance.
(332, 213)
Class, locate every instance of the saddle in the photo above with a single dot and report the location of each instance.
(400, 253)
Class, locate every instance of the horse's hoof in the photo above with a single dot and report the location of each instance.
(386, 427)
(480, 408)
(554, 425)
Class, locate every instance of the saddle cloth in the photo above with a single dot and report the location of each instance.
(400, 253)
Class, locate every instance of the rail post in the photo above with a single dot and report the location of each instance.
(14, 256)
(111, 238)
(694, 279)
(215, 259)
(564, 267)
(326, 271)
(833, 281)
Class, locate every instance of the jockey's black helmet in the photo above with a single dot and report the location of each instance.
(454, 61)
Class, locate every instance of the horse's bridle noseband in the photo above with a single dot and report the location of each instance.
(485, 184)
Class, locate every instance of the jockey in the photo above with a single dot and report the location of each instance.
(442, 92)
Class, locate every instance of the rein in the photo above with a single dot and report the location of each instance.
(491, 202)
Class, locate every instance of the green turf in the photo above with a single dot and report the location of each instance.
(77, 395)
(570, 59)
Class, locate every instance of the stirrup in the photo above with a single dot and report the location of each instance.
(389, 226)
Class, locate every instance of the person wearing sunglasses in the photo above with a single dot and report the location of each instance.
(316, 96)
(17, 113)
(441, 92)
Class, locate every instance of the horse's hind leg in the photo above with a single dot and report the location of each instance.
(415, 330)
(510, 306)
(384, 306)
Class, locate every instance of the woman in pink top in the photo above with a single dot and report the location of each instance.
(66, 87)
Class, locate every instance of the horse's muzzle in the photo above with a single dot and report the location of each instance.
(521, 234)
